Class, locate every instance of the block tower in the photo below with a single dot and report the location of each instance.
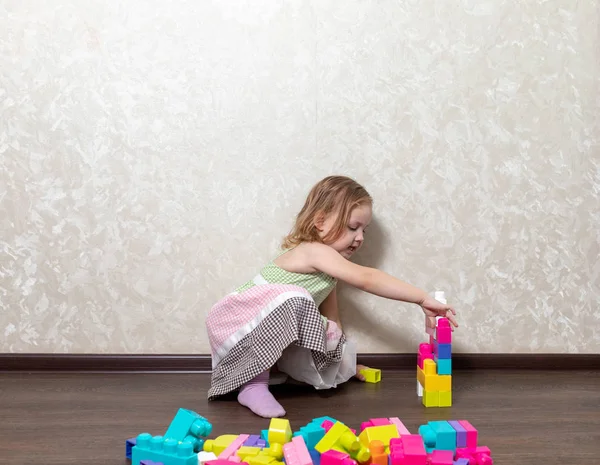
(434, 364)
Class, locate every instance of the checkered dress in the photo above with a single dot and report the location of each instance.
(250, 329)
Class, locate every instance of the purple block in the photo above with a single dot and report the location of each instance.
(252, 440)
(461, 462)
(150, 462)
(461, 434)
(129, 444)
(261, 443)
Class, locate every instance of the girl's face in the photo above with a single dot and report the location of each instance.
(354, 233)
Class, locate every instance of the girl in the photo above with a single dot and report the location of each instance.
(287, 317)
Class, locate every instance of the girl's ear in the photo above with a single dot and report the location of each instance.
(319, 220)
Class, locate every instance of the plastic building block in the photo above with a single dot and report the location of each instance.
(204, 457)
(219, 444)
(247, 451)
(461, 433)
(445, 435)
(380, 421)
(315, 456)
(431, 398)
(372, 375)
(296, 452)
(168, 451)
(425, 352)
(150, 462)
(445, 399)
(189, 426)
(378, 454)
(442, 351)
(477, 456)
(252, 440)
(442, 457)
(399, 426)
(444, 366)
(312, 434)
(382, 433)
(334, 457)
(419, 389)
(461, 462)
(341, 438)
(275, 450)
(471, 433)
(279, 431)
(408, 450)
(232, 448)
(443, 332)
(129, 443)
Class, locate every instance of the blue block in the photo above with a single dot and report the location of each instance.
(158, 449)
(442, 351)
(128, 446)
(315, 457)
(312, 434)
(445, 435)
(444, 366)
(189, 426)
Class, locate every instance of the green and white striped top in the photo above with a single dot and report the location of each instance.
(319, 285)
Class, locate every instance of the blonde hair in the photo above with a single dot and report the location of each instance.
(333, 194)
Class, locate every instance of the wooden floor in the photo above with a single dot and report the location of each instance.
(523, 417)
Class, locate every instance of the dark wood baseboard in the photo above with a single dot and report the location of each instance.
(202, 363)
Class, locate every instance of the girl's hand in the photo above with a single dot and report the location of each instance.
(359, 375)
(433, 308)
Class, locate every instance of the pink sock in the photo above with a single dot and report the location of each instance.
(256, 396)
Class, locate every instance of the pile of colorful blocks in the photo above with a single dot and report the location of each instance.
(323, 441)
(434, 367)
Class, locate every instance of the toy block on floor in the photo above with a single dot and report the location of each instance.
(441, 457)
(372, 375)
(128, 446)
(280, 431)
(168, 451)
(189, 426)
(402, 430)
(204, 457)
(296, 452)
(471, 433)
(219, 444)
(340, 437)
(232, 448)
(378, 453)
(382, 433)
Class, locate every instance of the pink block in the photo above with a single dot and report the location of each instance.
(233, 447)
(235, 458)
(442, 457)
(296, 453)
(399, 425)
(365, 424)
(443, 335)
(380, 421)
(334, 457)
(327, 424)
(414, 449)
(471, 433)
(443, 323)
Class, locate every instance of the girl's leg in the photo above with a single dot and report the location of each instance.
(256, 396)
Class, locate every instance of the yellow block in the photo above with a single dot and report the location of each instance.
(420, 375)
(280, 431)
(431, 398)
(445, 398)
(372, 375)
(383, 433)
(247, 451)
(429, 367)
(339, 435)
(444, 383)
(218, 445)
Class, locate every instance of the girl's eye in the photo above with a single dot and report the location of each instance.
(352, 229)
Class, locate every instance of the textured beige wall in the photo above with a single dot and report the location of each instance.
(153, 153)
